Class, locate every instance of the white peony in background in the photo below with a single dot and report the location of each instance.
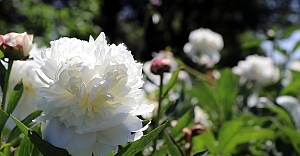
(92, 94)
(204, 47)
(257, 71)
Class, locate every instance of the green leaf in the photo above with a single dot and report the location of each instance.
(15, 96)
(227, 132)
(173, 148)
(288, 31)
(171, 83)
(183, 122)
(252, 43)
(27, 122)
(1, 54)
(282, 115)
(110, 154)
(44, 147)
(205, 141)
(137, 146)
(292, 106)
(280, 50)
(227, 92)
(25, 147)
(296, 46)
(293, 136)
(3, 118)
(205, 96)
(248, 134)
(202, 153)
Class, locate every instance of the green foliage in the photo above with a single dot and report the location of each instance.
(139, 145)
(44, 147)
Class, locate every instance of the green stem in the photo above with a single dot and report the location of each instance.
(160, 98)
(6, 81)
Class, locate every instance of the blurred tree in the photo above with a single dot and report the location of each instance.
(50, 19)
(150, 25)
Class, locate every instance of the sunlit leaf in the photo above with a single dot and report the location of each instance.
(3, 118)
(248, 134)
(252, 43)
(288, 31)
(183, 122)
(227, 132)
(227, 91)
(27, 121)
(282, 115)
(137, 146)
(173, 148)
(296, 47)
(171, 83)
(15, 96)
(44, 147)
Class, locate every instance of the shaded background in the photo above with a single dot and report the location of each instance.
(146, 26)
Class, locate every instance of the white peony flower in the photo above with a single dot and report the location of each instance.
(23, 70)
(204, 46)
(257, 70)
(92, 93)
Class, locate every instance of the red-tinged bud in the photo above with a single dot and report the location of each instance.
(15, 45)
(160, 66)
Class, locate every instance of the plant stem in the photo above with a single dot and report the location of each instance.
(6, 82)
(160, 98)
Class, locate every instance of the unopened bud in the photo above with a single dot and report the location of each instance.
(160, 66)
(15, 45)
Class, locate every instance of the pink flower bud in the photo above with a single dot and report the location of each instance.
(159, 66)
(16, 45)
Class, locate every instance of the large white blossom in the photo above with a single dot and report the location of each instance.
(204, 46)
(257, 71)
(92, 93)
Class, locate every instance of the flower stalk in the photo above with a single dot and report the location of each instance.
(6, 82)
(160, 98)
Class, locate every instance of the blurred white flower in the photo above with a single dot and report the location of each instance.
(204, 46)
(257, 71)
(92, 93)
(23, 70)
(201, 117)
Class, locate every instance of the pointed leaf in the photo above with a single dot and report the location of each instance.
(253, 43)
(183, 122)
(174, 149)
(292, 106)
(15, 96)
(282, 115)
(296, 47)
(3, 118)
(248, 134)
(137, 146)
(227, 92)
(44, 147)
(202, 153)
(227, 132)
(288, 31)
(171, 83)
(27, 121)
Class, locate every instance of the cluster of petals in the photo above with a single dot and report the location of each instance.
(15, 40)
(204, 47)
(257, 71)
(91, 97)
